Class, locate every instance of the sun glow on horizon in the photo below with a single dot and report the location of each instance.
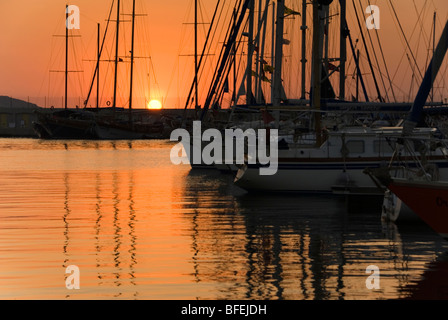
(154, 105)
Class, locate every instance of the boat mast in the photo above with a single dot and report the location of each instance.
(250, 50)
(196, 54)
(132, 61)
(257, 56)
(318, 12)
(116, 56)
(357, 77)
(278, 53)
(427, 83)
(223, 61)
(207, 38)
(66, 56)
(342, 49)
(263, 20)
(433, 49)
(303, 60)
(98, 69)
(273, 52)
(326, 33)
(234, 63)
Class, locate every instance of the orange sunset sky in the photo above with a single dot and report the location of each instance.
(29, 50)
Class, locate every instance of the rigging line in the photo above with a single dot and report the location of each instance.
(384, 62)
(431, 34)
(176, 63)
(228, 46)
(367, 54)
(202, 55)
(443, 79)
(101, 50)
(206, 57)
(207, 48)
(216, 74)
(228, 31)
(398, 66)
(156, 83)
(413, 74)
(412, 84)
(201, 13)
(239, 65)
(44, 78)
(231, 19)
(227, 69)
(404, 54)
(77, 66)
(357, 64)
(228, 66)
(58, 53)
(406, 40)
(419, 14)
(351, 59)
(376, 59)
(148, 63)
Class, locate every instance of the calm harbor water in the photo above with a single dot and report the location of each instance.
(139, 227)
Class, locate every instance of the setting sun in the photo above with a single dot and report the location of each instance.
(154, 104)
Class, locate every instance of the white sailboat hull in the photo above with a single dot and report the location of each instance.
(309, 177)
(317, 177)
(337, 166)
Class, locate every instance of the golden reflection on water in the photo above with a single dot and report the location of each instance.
(139, 227)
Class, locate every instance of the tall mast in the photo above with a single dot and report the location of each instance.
(316, 72)
(358, 72)
(250, 50)
(303, 60)
(263, 20)
(223, 61)
(235, 89)
(326, 33)
(116, 56)
(196, 54)
(273, 51)
(427, 83)
(98, 69)
(257, 55)
(342, 50)
(66, 56)
(433, 50)
(132, 61)
(278, 53)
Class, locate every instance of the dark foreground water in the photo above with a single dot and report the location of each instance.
(138, 227)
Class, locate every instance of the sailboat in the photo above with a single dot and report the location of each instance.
(302, 145)
(100, 123)
(66, 123)
(423, 188)
(334, 163)
(123, 125)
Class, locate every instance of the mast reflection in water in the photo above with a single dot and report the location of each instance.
(139, 227)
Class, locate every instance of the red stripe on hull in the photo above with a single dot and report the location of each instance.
(428, 200)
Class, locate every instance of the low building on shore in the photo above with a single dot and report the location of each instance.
(16, 117)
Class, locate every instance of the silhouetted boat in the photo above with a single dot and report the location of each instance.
(424, 189)
(99, 123)
(428, 199)
(65, 124)
(116, 125)
(334, 161)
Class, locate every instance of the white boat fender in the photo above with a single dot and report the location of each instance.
(391, 207)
